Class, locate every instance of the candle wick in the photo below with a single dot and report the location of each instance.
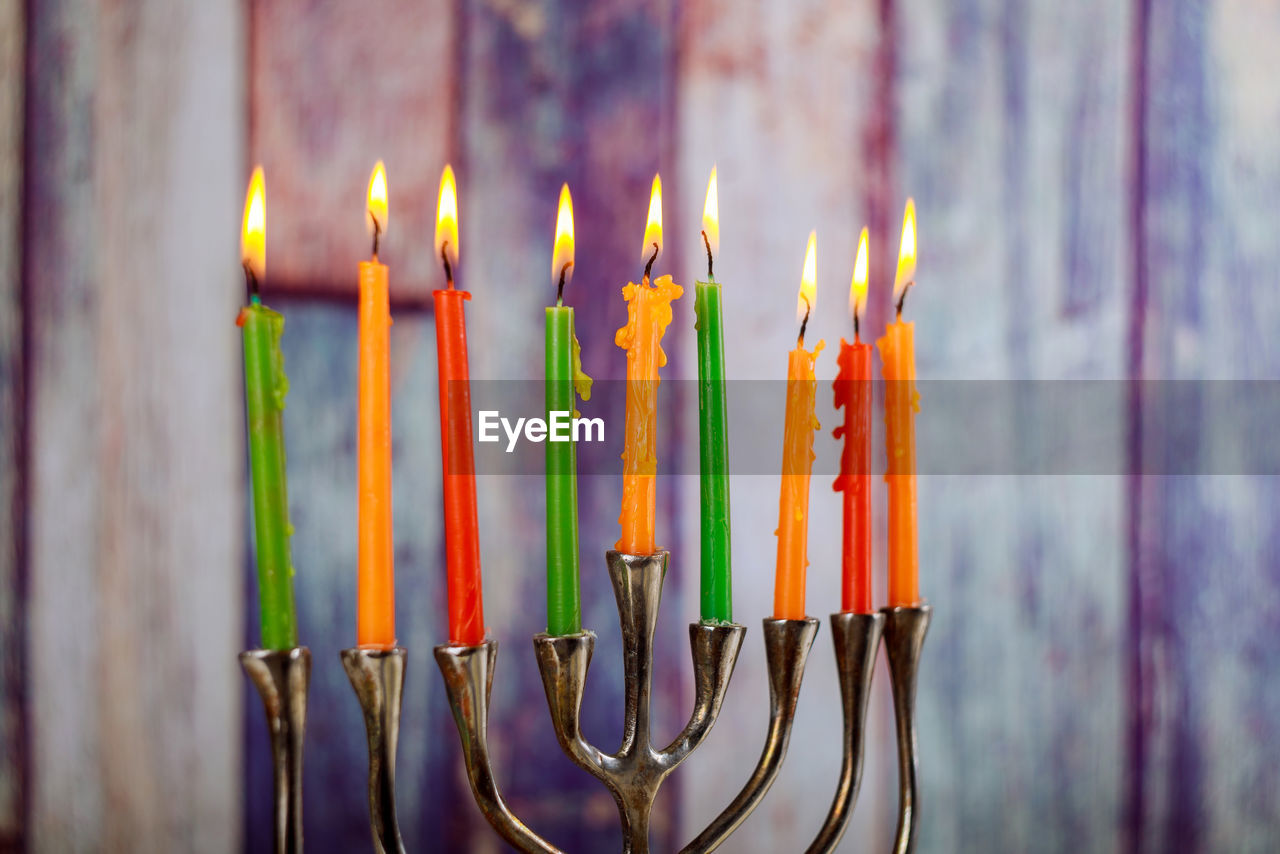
(648, 268)
(448, 268)
(857, 336)
(804, 323)
(377, 234)
(711, 276)
(251, 282)
(902, 299)
(560, 287)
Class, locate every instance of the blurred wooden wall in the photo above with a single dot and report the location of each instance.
(1098, 189)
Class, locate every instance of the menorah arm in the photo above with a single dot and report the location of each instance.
(857, 641)
(787, 644)
(563, 663)
(468, 679)
(904, 633)
(715, 653)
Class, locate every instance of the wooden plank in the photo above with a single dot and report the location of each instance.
(1012, 137)
(13, 762)
(320, 358)
(135, 501)
(1203, 738)
(552, 93)
(335, 87)
(777, 96)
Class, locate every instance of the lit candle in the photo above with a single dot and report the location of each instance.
(461, 533)
(376, 598)
(265, 386)
(797, 456)
(853, 392)
(902, 401)
(564, 377)
(713, 445)
(648, 315)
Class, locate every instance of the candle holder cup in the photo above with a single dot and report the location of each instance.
(282, 678)
(468, 679)
(787, 644)
(904, 633)
(635, 772)
(377, 676)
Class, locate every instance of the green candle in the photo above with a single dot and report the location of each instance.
(713, 443)
(265, 387)
(563, 378)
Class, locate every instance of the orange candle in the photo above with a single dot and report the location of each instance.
(376, 599)
(648, 315)
(902, 402)
(853, 392)
(797, 457)
(461, 528)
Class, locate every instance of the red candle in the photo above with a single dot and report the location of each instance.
(853, 392)
(461, 532)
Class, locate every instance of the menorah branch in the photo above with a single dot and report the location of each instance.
(904, 633)
(787, 644)
(377, 676)
(282, 677)
(635, 772)
(857, 641)
(468, 679)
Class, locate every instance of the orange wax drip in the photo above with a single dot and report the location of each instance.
(461, 528)
(853, 392)
(376, 599)
(648, 315)
(793, 501)
(902, 402)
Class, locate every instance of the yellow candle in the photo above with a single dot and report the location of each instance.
(797, 457)
(648, 315)
(901, 403)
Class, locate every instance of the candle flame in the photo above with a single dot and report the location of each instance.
(858, 289)
(563, 253)
(447, 218)
(377, 206)
(653, 226)
(808, 296)
(711, 215)
(253, 239)
(906, 252)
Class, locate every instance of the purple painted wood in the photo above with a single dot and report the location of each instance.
(553, 93)
(1203, 741)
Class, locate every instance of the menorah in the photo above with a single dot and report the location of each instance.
(635, 772)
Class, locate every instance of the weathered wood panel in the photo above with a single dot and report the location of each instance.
(134, 613)
(336, 87)
(549, 93)
(776, 95)
(320, 425)
(1013, 127)
(13, 763)
(1203, 737)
